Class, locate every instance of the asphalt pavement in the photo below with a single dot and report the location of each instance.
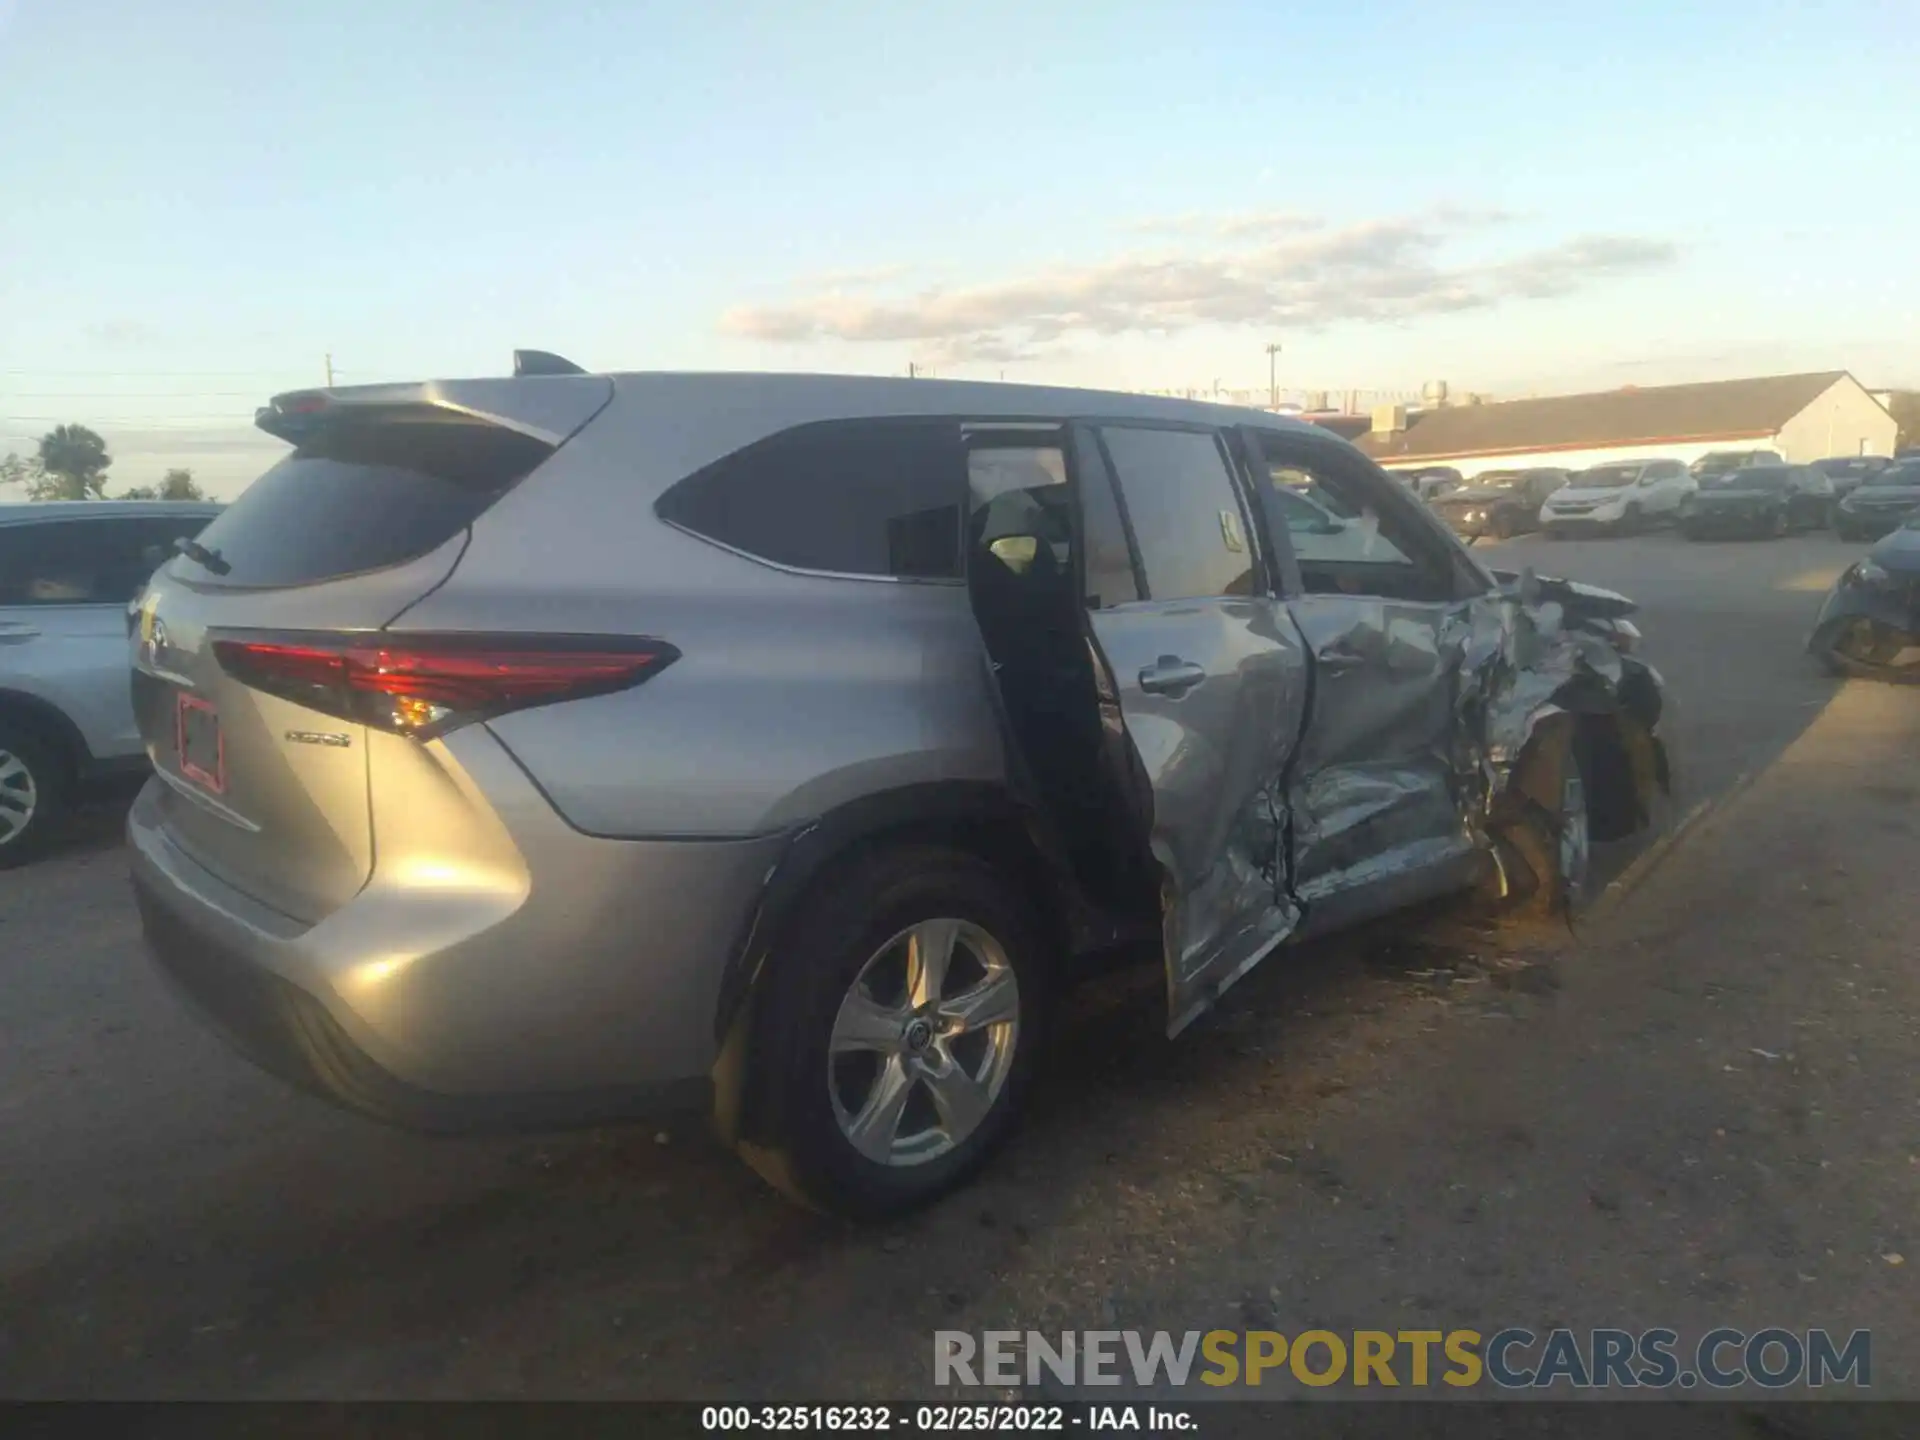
(1432, 1121)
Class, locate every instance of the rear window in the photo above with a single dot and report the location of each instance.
(846, 497)
(355, 498)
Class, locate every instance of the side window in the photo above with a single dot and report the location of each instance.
(1184, 510)
(881, 497)
(1109, 559)
(1022, 520)
(1346, 540)
(80, 562)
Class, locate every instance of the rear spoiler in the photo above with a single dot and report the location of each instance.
(550, 408)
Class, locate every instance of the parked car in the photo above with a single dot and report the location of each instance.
(1870, 623)
(1848, 472)
(1765, 500)
(788, 743)
(1724, 462)
(67, 572)
(1880, 506)
(1500, 503)
(1431, 481)
(1621, 497)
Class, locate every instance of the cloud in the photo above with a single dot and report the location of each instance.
(1287, 270)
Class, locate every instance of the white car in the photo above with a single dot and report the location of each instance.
(1616, 498)
(68, 571)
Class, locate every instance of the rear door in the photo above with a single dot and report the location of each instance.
(1212, 685)
(368, 513)
(1385, 607)
(64, 589)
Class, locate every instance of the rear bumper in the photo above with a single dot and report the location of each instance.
(1730, 523)
(1870, 525)
(1582, 525)
(569, 1008)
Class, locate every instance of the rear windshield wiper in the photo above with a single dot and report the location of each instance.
(199, 553)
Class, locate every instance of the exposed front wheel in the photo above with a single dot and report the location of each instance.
(1552, 832)
(33, 794)
(898, 1032)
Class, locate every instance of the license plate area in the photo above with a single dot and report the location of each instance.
(198, 743)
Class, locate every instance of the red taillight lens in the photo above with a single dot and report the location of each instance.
(426, 685)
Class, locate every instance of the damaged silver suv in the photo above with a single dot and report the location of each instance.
(539, 750)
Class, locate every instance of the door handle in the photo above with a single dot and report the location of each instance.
(1336, 660)
(1170, 675)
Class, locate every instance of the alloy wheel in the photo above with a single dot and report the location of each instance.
(1576, 836)
(923, 1042)
(19, 797)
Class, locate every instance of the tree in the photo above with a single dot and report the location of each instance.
(1905, 407)
(75, 461)
(180, 485)
(174, 485)
(15, 471)
(29, 474)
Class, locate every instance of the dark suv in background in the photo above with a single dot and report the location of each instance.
(1848, 473)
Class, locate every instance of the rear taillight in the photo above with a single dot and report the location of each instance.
(426, 685)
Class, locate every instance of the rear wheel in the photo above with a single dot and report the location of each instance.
(34, 792)
(902, 1022)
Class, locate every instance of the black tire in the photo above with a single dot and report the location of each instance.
(1690, 530)
(1845, 533)
(1632, 522)
(1502, 526)
(852, 914)
(35, 782)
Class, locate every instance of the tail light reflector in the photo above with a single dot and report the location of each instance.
(427, 685)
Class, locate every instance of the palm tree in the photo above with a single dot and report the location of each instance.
(75, 462)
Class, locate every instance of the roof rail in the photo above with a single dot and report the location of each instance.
(541, 362)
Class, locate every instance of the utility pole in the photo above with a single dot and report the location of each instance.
(911, 373)
(1273, 377)
(329, 369)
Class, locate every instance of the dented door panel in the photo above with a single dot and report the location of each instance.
(1213, 754)
(1378, 795)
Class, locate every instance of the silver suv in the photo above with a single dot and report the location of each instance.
(67, 572)
(546, 749)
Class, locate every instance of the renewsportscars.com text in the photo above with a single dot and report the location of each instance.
(1508, 1359)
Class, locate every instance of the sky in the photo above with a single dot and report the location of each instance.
(208, 198)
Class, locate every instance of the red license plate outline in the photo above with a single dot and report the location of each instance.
(216, 779)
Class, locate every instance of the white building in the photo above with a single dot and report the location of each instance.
(1804, 417)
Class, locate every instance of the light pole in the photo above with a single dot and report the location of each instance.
(1273, 380)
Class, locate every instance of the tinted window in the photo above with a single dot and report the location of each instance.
(1109, 562)
(856, 498)
(86, 562)
(1763, 477)
(359, 497)
(1901, 475)
(1606, 477)
(1184, 511)
(1663, 470)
